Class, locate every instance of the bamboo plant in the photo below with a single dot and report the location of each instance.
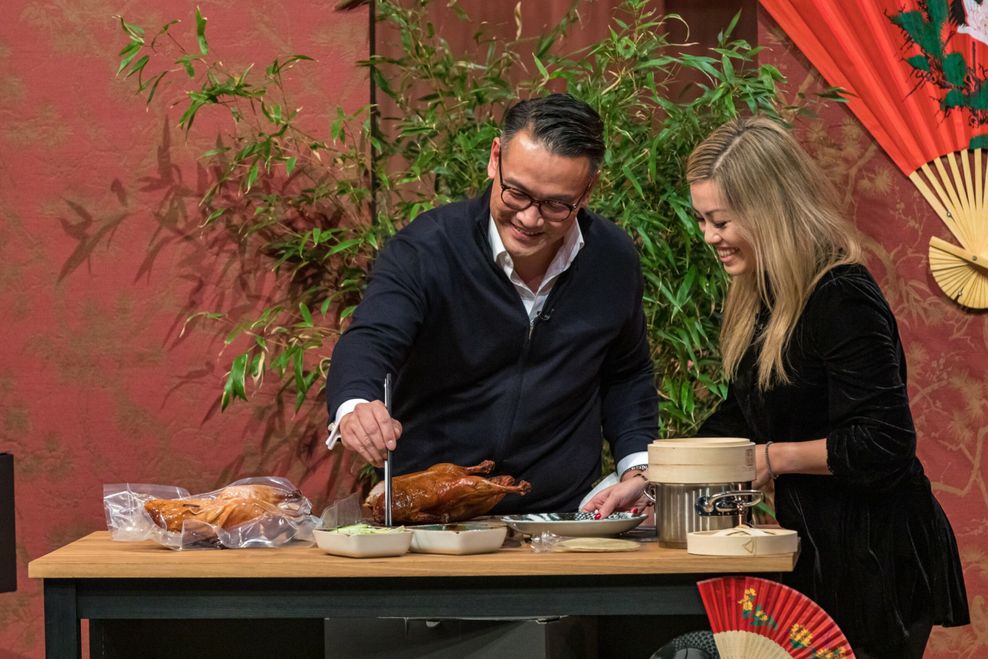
(315, 209)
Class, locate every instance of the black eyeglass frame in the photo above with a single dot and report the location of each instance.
(532, 201)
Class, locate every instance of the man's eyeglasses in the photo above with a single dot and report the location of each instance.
(550, 209)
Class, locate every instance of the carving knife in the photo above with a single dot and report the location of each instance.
(387, 460)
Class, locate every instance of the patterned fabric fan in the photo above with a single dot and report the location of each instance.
(915, 70)
(755, 618)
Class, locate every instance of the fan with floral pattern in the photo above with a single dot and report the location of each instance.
(754, 618)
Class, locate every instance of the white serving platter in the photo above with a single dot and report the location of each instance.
(364, 545)
(459, 538)
(579, 525)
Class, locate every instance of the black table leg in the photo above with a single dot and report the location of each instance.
(62, 635)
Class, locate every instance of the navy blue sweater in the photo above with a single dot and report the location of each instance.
(476, 381)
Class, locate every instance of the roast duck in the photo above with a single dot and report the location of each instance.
(443, 493)
(231, 506)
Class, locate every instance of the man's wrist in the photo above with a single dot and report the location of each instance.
(334, 426)
(635, 471)
(636, 459)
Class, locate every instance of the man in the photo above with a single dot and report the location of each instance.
(514, 325)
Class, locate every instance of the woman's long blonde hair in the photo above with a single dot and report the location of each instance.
(789, 213)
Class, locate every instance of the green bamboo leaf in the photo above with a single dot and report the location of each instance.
(655, 63)
(128, 53)
(730, 26)
(344, 245)
(240, 81)
(632, 179)
(138, 66)
(248, 150)
(235, 386)
(208, 315)
(544, 45)
(164, 30)
(273, 112)
(152, 84)
(728, 68)
(306, 314)
(212, 217)
(292, 60)
(296, 357)
(540, 67)
(251, 176)
(186, 63)
(765, 509)
(189, 115)
(290, 165)
(201, 32)
(135, 32)
(302, 391)
(300, 396)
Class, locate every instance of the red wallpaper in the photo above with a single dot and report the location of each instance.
(100, 260)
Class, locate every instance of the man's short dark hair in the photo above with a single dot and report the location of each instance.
(562, 124)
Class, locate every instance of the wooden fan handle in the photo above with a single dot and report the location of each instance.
(960, 252)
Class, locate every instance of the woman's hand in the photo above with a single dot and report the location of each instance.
(626, 495)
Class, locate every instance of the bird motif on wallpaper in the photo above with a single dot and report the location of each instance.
(971, 17)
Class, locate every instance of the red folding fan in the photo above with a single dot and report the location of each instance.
(917, 79)
(754, 618)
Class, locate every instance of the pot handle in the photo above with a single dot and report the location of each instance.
(730, 502)
(649, 495)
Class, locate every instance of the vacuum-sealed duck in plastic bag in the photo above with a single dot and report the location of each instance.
(252, 512)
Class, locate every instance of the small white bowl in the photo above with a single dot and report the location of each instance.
(460, 538)
(364, 545)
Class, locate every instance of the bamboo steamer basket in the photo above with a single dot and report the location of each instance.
(743, 541)
(685, 473)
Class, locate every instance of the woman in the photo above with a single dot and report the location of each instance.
(818, 380)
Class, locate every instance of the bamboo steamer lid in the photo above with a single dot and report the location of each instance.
(742, 541)
(701, 460)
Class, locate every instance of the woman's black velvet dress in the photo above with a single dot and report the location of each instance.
(877, 551)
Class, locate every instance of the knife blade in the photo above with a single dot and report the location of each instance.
(387, 460)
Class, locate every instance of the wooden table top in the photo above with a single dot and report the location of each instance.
(96, 556)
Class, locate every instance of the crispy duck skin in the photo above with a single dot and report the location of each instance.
(233, 505)
(443, 493)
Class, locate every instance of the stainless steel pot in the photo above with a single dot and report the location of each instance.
(683, 508)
